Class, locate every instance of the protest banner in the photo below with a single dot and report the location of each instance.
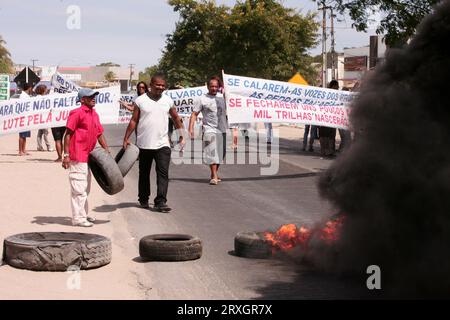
(259, 100)
(62, 85)
(186, 99)
(183, 99)
(48, 111)
(124, 113)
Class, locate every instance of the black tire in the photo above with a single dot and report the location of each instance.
(56, 251)
(170, 247)
(126, 158)
(105, 171)
(252, 245)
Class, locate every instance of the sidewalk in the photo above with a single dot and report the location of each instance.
(34, 196)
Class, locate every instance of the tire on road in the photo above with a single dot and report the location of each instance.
(105, 171)
(56, 251)
(252, 245)
(170, 247)
(126, 158)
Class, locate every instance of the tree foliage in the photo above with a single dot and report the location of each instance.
(108, 64)
(399, 18)
(110, 76)
(6, 63)
(256, 38)
(147, 74)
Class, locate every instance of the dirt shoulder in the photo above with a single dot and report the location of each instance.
(34, 196)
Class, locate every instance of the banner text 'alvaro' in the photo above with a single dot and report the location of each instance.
(184, 100)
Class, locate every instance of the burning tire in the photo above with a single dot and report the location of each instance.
(56, 251)
(106, 171)
(252, 245)
(126, 158)
(170, 247)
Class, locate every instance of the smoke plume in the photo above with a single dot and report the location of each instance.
(393, 184)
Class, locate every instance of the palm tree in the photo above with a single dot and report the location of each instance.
(110, 76)
(5, 58)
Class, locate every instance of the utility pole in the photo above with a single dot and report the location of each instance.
(333, 53)
(33, 60)
(131, 65)
(324, 44)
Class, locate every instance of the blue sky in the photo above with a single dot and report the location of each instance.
(132, 31)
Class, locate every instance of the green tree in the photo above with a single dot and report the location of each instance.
(258, 38)
(147, 74)
(399, 17)
(6, 63)
(110, 76)
(108, 64)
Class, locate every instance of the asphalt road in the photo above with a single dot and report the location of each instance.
(244, 201)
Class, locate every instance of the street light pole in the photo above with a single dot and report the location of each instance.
(324, 44)
(131, 65)
(333, 54)
(33, 60)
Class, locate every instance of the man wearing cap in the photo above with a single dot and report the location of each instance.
(83, 129)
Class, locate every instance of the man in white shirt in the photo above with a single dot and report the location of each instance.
(150, 116)
(215, 127)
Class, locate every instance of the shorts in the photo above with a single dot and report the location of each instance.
(58, 133)
(214, 146)
(25, 134)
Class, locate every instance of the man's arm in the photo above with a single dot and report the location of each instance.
(192, 122)
(131, 126)
(66, 147)
(102, 141)
(128, 105)
(177, 121)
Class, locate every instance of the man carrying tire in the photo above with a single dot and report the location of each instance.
(150, 117)
(83, 129)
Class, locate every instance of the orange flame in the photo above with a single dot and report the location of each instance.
(289, 236)
(330, 232)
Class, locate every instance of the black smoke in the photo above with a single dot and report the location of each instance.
(393, 184)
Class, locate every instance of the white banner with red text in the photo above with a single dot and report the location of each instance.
(258, 100)
(47, 111)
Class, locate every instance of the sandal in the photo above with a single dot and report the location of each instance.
(213, 182)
